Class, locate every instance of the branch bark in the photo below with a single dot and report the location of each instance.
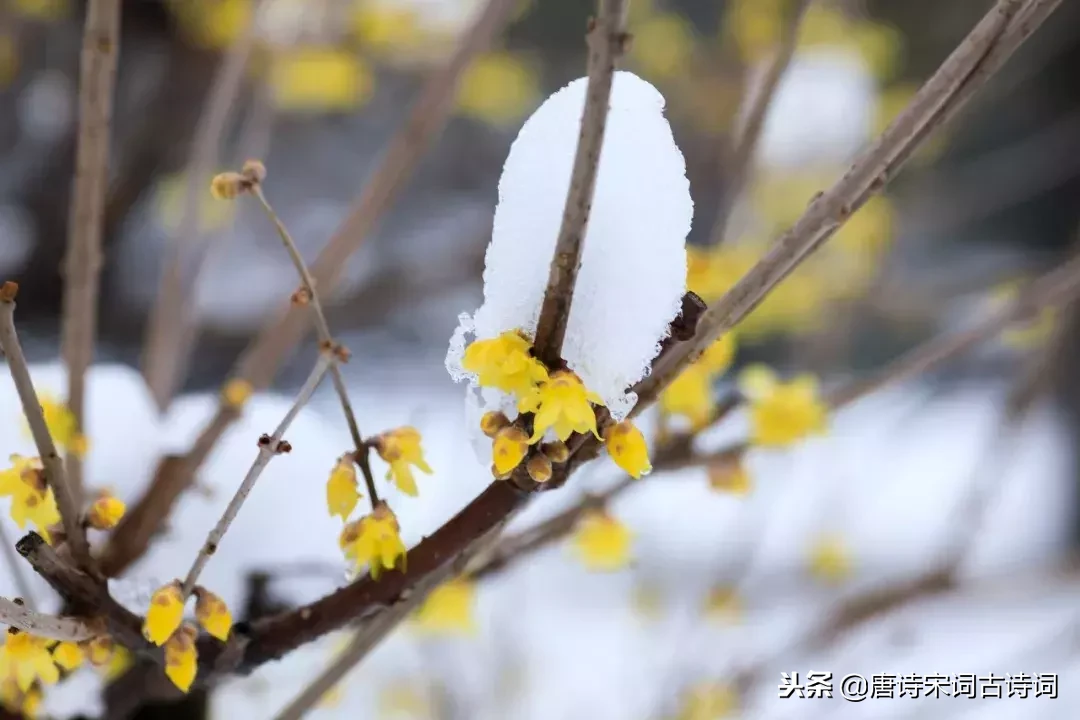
(70, 629)
(607, 41)
(82, 264)
(53, 464)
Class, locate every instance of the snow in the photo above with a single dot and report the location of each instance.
(633, 266)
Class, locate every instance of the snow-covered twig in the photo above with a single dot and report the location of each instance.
(607, 41)
(753, 123)
(265, 354)
(326, 339)
(55, 474)
(82, 263)
(967, 69)
(167, 344)
(71, 629)
(268, 448)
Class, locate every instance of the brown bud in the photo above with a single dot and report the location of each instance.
(539, 467)
(556, 452)
(302, 296)
(228, 185)
(8, 291)
(342, 353)
(492, 422)
(254, 171)
(495, 473)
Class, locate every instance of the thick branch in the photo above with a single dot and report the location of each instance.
(607, 40)
(55, 475)
(268, 448)
(82, 264)
(980, 54)
(54, 627)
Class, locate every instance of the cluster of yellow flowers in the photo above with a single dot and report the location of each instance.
(164, 626)
(28, 663)
(690, 396)
(548, 401)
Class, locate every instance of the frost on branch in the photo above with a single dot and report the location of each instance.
(633, 265)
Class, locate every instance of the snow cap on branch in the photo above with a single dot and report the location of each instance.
(633, 264)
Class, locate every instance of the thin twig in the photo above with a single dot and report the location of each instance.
(264, 355)
(17, 569)
(53, 464)
(163, 361)
(607, 41)
(326, 339)
(82, 264)
(268, 448)
(54, 627)
(977, 57)
(753, 123)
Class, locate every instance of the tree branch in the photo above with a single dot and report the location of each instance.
(967, 69)
(53, 464)
(607, 41)
(70, 629)
(82, 264)
(268, 448)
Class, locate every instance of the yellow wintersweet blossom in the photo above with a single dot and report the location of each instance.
(498, 88)
(31, 500)
(829, 559)
(385, 29)
(116, 663)
(824, 26)
(61, 424)
(236, 392)
(798, 305)
(16, 701)
(709, 701)
(504, 363)
(319, 79)
(723, 604)
(782, 413)
(374, 540)
(102, 651)
(342, 492)
(105, 512)
(400, 448)
(181, 658)
(881, 47)
(214, 24)
(690, 395)
(718, 357)
(68, 655)
(26, 658)
(755, 26)
(562, 403)
(165, 613)
(663, 45)
(602, 542)
(449, 608)
(212, 613)
(729, 476)
(171, 198)
(509, 448)
(626, 446)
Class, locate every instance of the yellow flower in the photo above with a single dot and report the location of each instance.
(26, 658)
(116, 664)
(68, 655)
(497, 88)
(709, 701)
(181, 659)
(562, 403)
(341, 489)
(626, 446)
(663, 45)
(723, 604)
(17, 702)
(165, 613)
(212, 613)
(830, 561)
(729, 476)
(236, 393)
(449, 608)
(880, 47)
(755, 25)
(320, 79)
(401, 448)
(31, 500)
(718, 357)
(61, 424)
(492, 422)
(101, 650)
(504, 363)
(214, 24)
(690, 395)
(509, 449)
(539, 468)
(782, 413)
(105, 512)
(374, 540)
(602, 542)
(383, 29)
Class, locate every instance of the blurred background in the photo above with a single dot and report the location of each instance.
(990, 202)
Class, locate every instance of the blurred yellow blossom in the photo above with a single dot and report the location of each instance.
(504, 363)
(647, 600)
(212, 613)
(729, 476)
(602, 542)
(236, 393)
(782, 413)
(626, 446)
(401, 699)
(498, 88)
(68, 655)
(563, 403)
(718, 357)
(341, 489)
(319, 79)
(881, 48)
(171, 198)
(102, 652)
(449, 608)
(1030, 332)
(690, 395)
(116, 663)
(31, 500)
(829, 559)
(723, 604)
(16, 701)
(26, 658)
(45, 10)
(663, 45)
(709, 701)
(755, 25)
(62, 425)
(509, 448)
(386, 29)
(105, 512)
(400, 448)
(823, 25)
(165, 613)
(798, 305)
(213, 24)
(181, 658)
(374, 540)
